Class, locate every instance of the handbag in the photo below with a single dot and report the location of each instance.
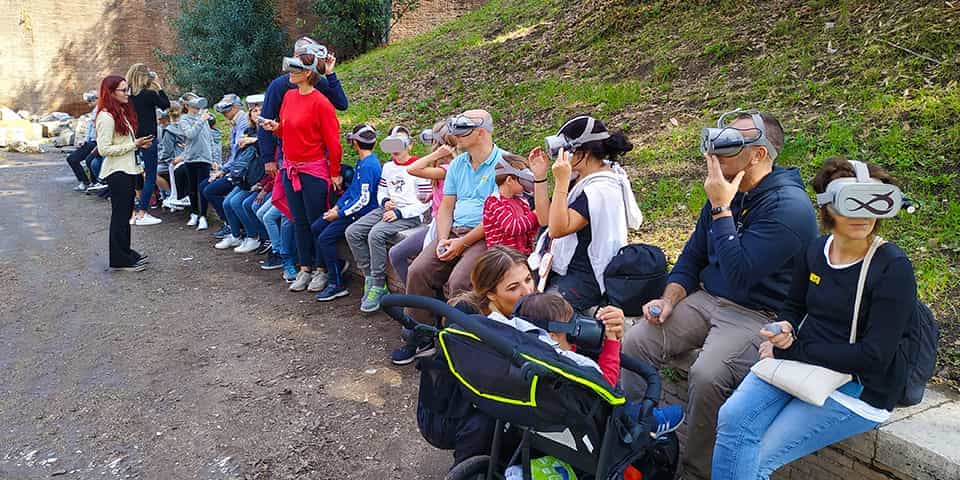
(812, 383)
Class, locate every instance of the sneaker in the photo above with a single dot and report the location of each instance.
(300, 283)
(139, 267)
(332, 292)
(147, 219)
(249, 244)
(408, 353)
(371, 302)
(95, 188)
(202, 224)
(194, 218)
(81, 187)
(668, 419)
(289, 272)
(367, 283)
(222, 232)
(265, 247)
(319, 282)
(272, 262)
(133, 220)
(228, 242)
(183, 202)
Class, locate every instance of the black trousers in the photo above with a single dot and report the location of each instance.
(196, 173)
(75, 159)
(180, 178)
(121, 209)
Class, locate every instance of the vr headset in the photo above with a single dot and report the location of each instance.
(461, 125)
(555, 142)
(397, 141)
(194, 100)
(366, 134)
(427, 137)
(863, 196)
(90, 96)
(726, 141)
(302, 61)
(227, 102)
(525, 176)
(581, 330)
(255, 99)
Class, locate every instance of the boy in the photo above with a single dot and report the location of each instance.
(508, 219)
(540, 308)
(355, 202)
(400, 209)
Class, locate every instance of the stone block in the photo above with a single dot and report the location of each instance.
(925, 446)
(931, 398)
(862, 447)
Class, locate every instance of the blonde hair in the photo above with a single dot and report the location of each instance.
(175, 110)
(138, 78)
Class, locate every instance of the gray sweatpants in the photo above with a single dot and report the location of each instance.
(367, 238)
(729, 335)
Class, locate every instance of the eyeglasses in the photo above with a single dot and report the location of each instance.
(127, 90)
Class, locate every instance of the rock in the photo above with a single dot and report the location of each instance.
(33, 146)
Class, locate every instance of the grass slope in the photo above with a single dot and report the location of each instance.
(659, 70)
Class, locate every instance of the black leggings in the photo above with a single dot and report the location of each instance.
(121, 209)
(77, 156)
(196, 173)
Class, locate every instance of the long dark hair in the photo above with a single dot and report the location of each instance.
(119, 111)
(487, 273)
(609, 149)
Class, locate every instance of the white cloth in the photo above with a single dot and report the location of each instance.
(404, 189)
(543, 336)
(118, 151)
(613, 209)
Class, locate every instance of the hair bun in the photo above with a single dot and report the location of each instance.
(617, 145)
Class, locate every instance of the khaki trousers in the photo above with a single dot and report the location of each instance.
(729, 335)
(429, 276)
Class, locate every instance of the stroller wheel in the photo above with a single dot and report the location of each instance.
(473, 468)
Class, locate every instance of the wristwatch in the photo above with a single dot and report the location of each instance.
(719, 210)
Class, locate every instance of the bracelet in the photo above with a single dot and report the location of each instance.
(540, 181)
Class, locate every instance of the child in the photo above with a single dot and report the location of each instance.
(540, 308)
(196, 155)
(355, 202)
(507, 217)
(400, 209)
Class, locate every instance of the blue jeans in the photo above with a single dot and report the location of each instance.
(326, 236)
(270, 217)
(149, 157)
(762, 428)
(232, 207)
(95, 162)
(306, 206)
(288, 240)
(216, 192)
(248, 216)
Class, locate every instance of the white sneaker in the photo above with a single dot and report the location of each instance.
(202, 223)
(81, 187)
(193, 220)
(249, 245)
(133, 220)
(228, 242)
(183, 202)
(301, 282)
(319, 281)
(147, 219)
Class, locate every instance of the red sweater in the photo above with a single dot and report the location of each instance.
(509, 222)
(310, 133)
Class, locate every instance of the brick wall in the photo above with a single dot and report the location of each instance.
(53, 51)
(430, 14)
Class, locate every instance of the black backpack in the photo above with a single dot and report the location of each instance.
(636, 275)
(919, 346)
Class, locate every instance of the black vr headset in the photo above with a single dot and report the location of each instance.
(581, 330)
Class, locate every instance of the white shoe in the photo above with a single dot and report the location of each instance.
(193, 220)
(249, 245)
(147, 219)
(318, 282)
(133, 220)
(183, 202)
(228, 242)
(81, 187)
(202, 223)
(300, 284)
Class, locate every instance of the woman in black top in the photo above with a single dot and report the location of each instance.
(147, 96)
(761, 427)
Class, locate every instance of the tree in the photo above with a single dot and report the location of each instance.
(226, 46)
(355, 26)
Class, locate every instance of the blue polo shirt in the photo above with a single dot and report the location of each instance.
(471, 187)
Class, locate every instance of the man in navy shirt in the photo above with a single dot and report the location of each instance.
(327, 84)
(731, 279)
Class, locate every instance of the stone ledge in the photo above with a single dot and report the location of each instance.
(920, 442)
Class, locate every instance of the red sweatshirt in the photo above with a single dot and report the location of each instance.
(609, 360)
(310, 133)
(509, 222)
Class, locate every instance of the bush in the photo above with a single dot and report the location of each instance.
(351, 27)
(225, 46)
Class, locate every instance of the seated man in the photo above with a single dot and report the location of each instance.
(730, 279)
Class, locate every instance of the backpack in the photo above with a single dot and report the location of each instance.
(919, 346)
(636, 275)
(441, 405)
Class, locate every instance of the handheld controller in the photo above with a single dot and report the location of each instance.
(655, 311)
(773, 328)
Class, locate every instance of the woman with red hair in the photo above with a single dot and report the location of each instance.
(116, 124)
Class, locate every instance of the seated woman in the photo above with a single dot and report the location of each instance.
(589, 213)
(761, 427)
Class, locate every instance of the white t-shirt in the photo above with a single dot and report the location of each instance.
(855, 405)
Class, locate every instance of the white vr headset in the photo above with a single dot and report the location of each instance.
(396, 142)
(863, 196)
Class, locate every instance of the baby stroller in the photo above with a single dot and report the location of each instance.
(554, 406)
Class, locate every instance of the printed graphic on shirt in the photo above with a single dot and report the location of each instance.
(396, 185)
(814, 278)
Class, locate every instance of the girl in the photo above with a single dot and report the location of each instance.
(196, 156)
(116, 124)
(761, 427)
(146, 96)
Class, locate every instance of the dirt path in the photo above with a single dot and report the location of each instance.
(202, 367)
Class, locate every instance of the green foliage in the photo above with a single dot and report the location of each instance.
(352, 27)
(225, 46)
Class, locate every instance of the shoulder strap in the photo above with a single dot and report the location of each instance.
(864, 269)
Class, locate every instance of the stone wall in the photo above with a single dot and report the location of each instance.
(429, 15)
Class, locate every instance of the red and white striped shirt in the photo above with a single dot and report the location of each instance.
(509, 222)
